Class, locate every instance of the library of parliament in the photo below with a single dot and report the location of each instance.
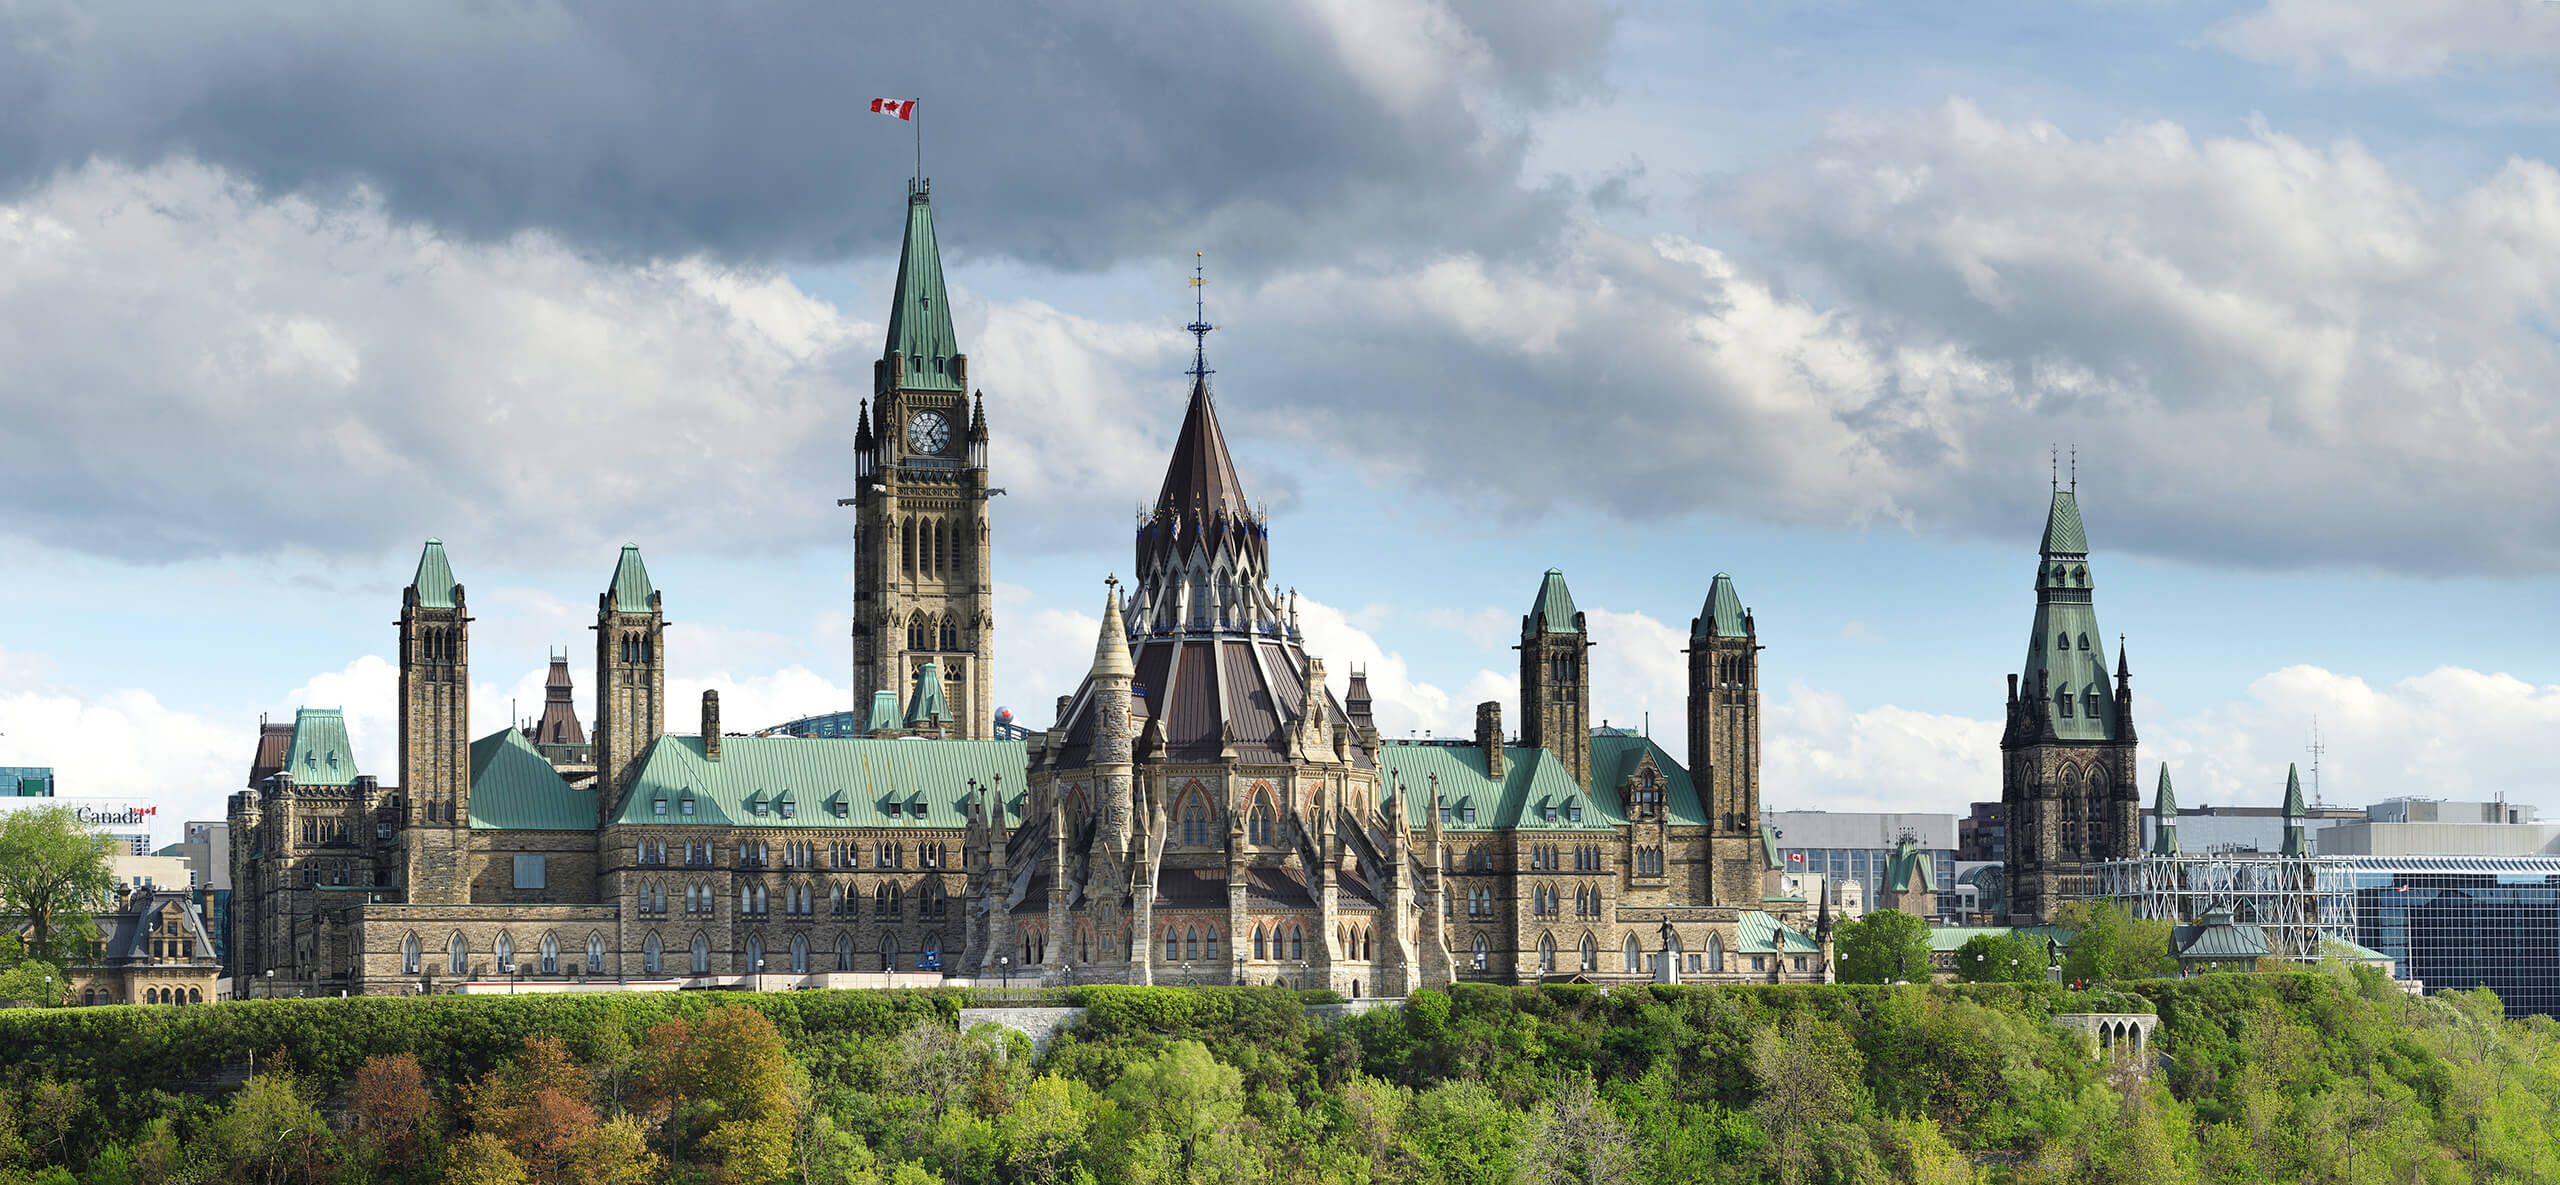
(1203, 808)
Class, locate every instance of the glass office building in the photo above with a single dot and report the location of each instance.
(2455, 922)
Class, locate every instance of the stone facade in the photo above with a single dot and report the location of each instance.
(1204, 808)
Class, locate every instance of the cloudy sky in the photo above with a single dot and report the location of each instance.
(1800, 291)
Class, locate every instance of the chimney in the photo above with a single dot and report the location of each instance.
(1489, 736)
(711, 726)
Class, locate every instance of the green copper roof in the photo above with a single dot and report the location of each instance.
(1533, 780)
(434, 580)
(2062, 533)
(319, 754)
(927, 705)
(631, 587)
(884, 713)
(2066, 667)
(514, 789)
(928, 781)
(1760, 933)
(920, 314)
(1910, 869)
(2164, 812)
(2221, 938)
(1616, 756)
(1553, 611)
(1722, 617)
(2293, 804)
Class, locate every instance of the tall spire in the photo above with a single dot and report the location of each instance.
(920, 312)
(1552, 612)
(632, 591)
(2294, 840)
(2066, 667)
(1723, 615)
(2164, 813)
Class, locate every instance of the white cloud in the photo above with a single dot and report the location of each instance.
(2449, 733)
(2394, 39)
(1824, 755)
(2249, 321)
(122, 744)
(1488, 628)
(386, 383)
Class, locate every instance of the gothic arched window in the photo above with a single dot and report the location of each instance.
(595, 954)
(799, 954)
(950, 633)
(1547, 953)
(1482, 953)
(1715, 952)
(409, 955)
(454, 955)
(506, 952)
(1213, 943)
(755, 953)
(1635, 955)
(701, 954)
(1297, 943)
(1590, 954)
(1191, 943)
(550, 955)
(844, 952)
(1258, 950)
(652, 952)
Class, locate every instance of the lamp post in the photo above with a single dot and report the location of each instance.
(1302, 976)
(48, 991)
(1004, 967)
(271, 983)
(759, 973)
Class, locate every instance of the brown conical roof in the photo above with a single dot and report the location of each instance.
(1201, 476)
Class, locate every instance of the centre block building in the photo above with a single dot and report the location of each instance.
(1204, 808)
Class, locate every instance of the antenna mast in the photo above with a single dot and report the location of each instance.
(1199, 327)
(2316, 750)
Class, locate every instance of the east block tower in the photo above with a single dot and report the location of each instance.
(924, 589)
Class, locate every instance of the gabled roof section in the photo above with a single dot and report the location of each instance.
(1553, 611)
(2062, 533)
(928, 780)
(920, 312)
(2220, 938)
(1616, 755)
(1722, 616)
(632, 591)
(434, 580)
(1533, 781)
(319, 754)
(513, 788)
(274, 742)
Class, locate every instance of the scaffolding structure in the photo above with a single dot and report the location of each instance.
(2296, 900)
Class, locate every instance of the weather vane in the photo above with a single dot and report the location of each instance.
(1199, 325)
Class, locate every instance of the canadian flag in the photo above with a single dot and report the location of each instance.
(1795, 857)
(902, 108)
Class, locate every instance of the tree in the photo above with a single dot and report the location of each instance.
(2108, 942)
(2000, 958)
(1884, 947)
(1184, 1094)
(390, 1103)
(1808, 1081)
(54, 873)
(35, 981)
(1576, 1139)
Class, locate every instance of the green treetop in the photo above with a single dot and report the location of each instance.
(54, 874)
(1883, 947)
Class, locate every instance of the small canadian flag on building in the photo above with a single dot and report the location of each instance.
(1795, 857)
(902, 108)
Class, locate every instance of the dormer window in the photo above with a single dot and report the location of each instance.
(2090, 701)
(842, 809)
(756, 805)
(786, 806)
(1573, 811)
(660, 806)
(685, 804)
(891, 807)
(2084, 641)
(1467, 812)
(2062, 641)
(2062, 702)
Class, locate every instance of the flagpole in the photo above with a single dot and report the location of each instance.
(919, 121)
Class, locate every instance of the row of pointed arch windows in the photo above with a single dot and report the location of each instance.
(1563, 668)
(1648, 862)
(1353, 941)
(1197, 823)
(928, 633)
(1294, 943)
(638, 647)
(440, 644)
(1186, 944)
(931, 547)
(1259, 826)
(154, 995)
(1733, 671)
(458, 954)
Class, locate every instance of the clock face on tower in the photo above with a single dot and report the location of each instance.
(928, 432)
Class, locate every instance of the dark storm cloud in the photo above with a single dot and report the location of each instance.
(1068, 134)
